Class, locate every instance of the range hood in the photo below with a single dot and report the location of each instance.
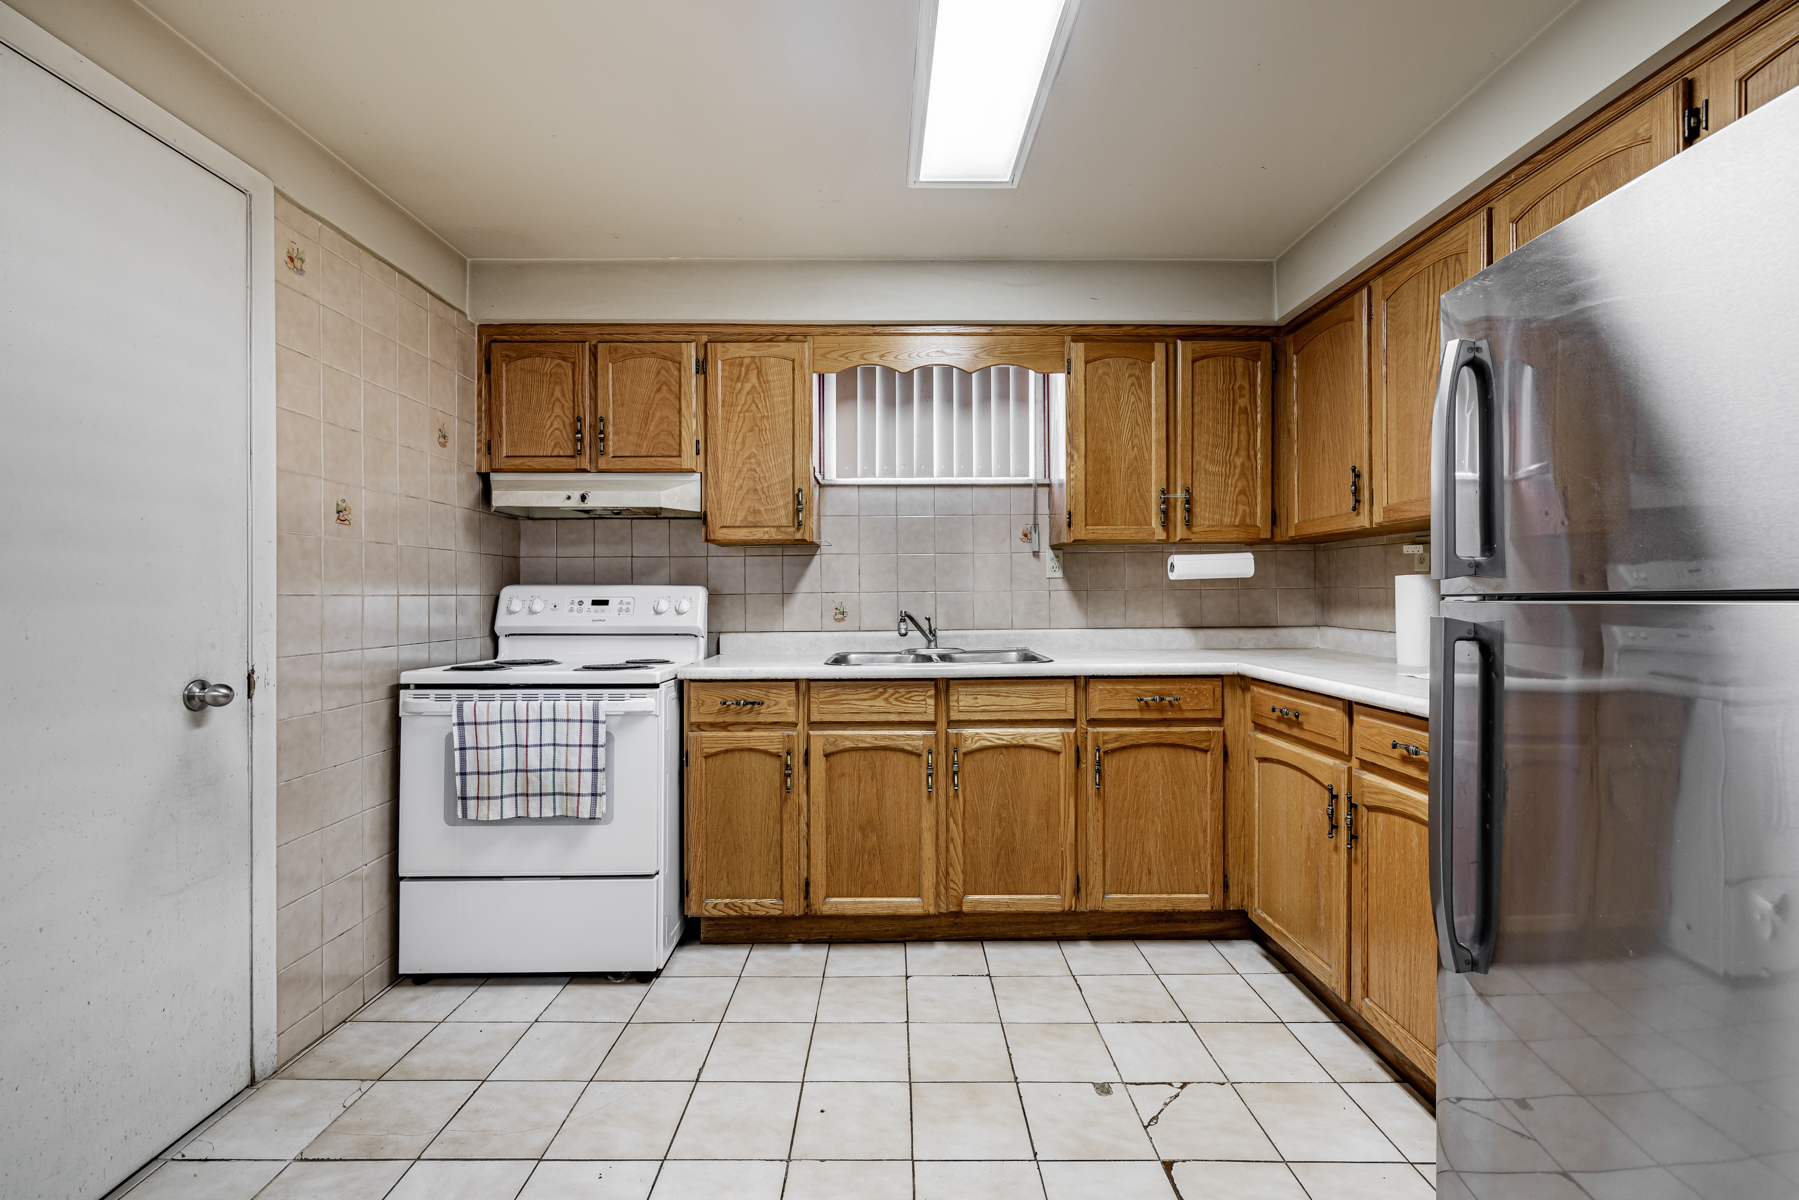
(600, 494)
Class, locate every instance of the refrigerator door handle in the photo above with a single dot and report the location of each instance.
(1464, 458)
(1467, 790)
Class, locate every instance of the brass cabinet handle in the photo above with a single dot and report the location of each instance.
(1278, 711)
(1414, 751)
(1158, 699)
(741, 703)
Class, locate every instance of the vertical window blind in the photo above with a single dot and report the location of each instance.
(877, 425)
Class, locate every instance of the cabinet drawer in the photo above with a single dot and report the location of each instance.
(1306, 716)
(750, 702)
(873, 701)
(1171, 698)
(1011, 700)
(1393, 742)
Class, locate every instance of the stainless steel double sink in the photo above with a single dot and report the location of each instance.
(927, 658)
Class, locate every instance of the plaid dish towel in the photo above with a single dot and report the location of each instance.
(530, 758)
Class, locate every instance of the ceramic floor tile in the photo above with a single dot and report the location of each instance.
(976, 1181)
(758, 1053)
(276, 1121)
(1236, 1181)
(1160, 1052)
(1743, 1180)
(591, 1181)
(945, 958)
(1260, 1053)
(455, 1050)
(1589, 1066)
(358, 1050)
(658, 1052)
(409, 1001)
(1025, 958)
(871, 958)
(1405, 1119)
(559, 1050)
(858, 1053)
(1040, 998)
(624, 1120)
(1361, 1181)
(719, 1181)
(1316, 1122)
(862, 998)
(1536, 1018)
(496, 1180)
(1341, 1053)
(956, 998)
(1248, 958)
(782, 998)
(333, 1181)
(1184, 957)
(1218, 998)
(1288, 998)
(1105, 958)
(1580, 1137)
(393, 1119)
(510, 998)
(737, 1120)
(1113, 998)
(1073, 1053)
(854, 1120)
(837, 1180)
(506, 1120)
(1669, 1133)
(978, 1121)
(1105, 1181)
(805, 960)
(699, 958)
(950, 1053)
(1083, 1121)
(692, 998)
(206, 1180)
(1200, 1120)
(595, 1000)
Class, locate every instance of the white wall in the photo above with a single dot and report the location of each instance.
(132, 44)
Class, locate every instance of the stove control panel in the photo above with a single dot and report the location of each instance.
(600, 608)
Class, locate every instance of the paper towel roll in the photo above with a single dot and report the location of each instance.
(1414, 604)
(1211, 566)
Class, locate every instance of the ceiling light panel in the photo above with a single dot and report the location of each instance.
(984, 70)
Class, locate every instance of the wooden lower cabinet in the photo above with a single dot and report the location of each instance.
(1011, 825)
(1302, 869)
(871, 810)
(1155, 820)
(1392, 938)
(745, 791)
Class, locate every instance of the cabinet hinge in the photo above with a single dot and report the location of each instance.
(1227, 754)
(686, 889)
(1077, 885)
(696, 445)
(806, 757)
(490, 445)
(1077, 757)
(683, 758)
(1227, 881)
(1068, 367)
(1274, 361)
(807, 893)
(702, 516)
(250, 685)
(1068, 519)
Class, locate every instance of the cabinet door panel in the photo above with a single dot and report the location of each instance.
(743, 823)
(1117, 441)
(1302, 877)
(1155, 821)
(758, 478)
(1011, 820)
(646, 419)
(1408, 349)
(873, 819)
(1325, 489)
(1393, 937)
(539, 397)
(1222, 459)
(1755, 69)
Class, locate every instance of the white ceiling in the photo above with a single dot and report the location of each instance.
(1178, 129)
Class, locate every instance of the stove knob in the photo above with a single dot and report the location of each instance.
(660, 607)
(514, 604)
(537, 604)
(683, 606)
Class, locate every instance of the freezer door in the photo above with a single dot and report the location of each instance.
(1615, 407)
(1615, 862)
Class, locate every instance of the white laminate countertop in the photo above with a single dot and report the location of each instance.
(1362, 678)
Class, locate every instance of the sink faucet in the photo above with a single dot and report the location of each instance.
(927, 629)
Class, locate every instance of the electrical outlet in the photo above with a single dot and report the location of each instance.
(1052, 564)
(1420, 553)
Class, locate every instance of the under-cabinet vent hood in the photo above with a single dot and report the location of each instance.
(597, 495)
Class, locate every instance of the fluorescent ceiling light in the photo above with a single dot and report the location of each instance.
(984, 69)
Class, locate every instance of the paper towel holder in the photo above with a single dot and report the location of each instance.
(1240, 565)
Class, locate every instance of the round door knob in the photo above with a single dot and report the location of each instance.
(537, 604)
(683, 606)
(514, 604)
(199, 695)
(660, 607)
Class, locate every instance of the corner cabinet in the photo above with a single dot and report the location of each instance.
(1302, 871)
(758, 478)
(1324, 421)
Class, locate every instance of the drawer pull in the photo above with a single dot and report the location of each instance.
(1158, 699)
(1278, 711)
(1414, 751)
(741, 703)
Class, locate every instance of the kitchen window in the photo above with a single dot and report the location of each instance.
(935, 424)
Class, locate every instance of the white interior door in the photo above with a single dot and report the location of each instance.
(125, 831)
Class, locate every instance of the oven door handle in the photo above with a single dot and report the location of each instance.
(413, 706)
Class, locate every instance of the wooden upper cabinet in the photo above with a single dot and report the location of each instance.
(644, 410)
(1393, 939)
(1221, 461)
(758, 444)
(744, 794)
(1747, 74)
(1324, 463)
(540, 400)
(872, 813)
(1011, 842)
(1155, 820)
(1407, 351)
(1117, 442)
(1643, 138)
(1302, 873)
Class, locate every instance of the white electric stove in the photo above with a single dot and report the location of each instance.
(553, 895)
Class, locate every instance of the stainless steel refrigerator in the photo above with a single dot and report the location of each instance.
(1615, 693)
